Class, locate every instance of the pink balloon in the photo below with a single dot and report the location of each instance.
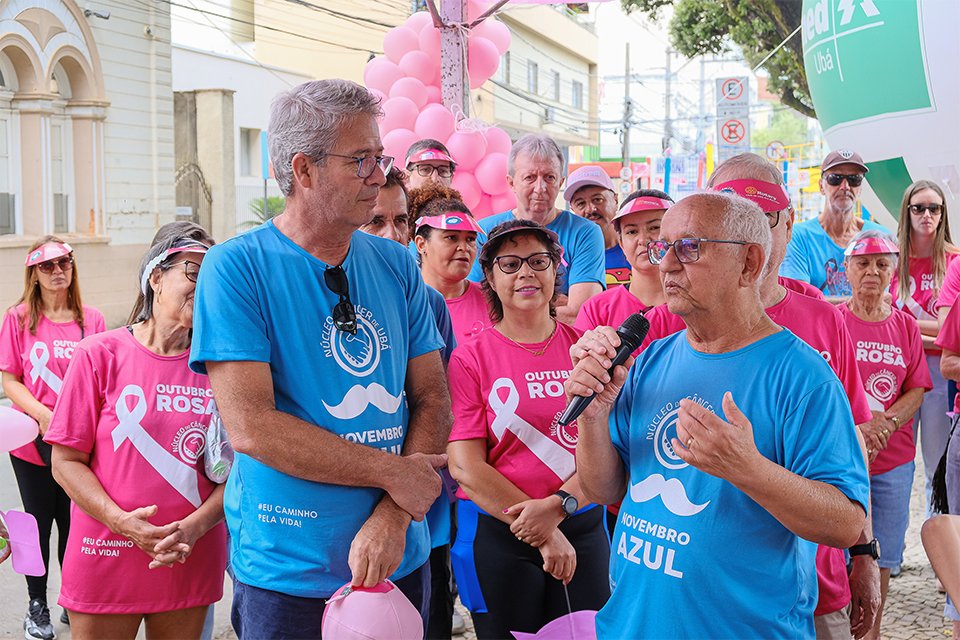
(429, 41)
(373, 64)
(467, 149)
(398, 113)
(498, 140)
(475, 9)
(417, 64)
(491, 172)
(504, 201)
(435, 121)
(383, 76)
(437, 77)
(399, 41)
(410, 88)
(484, 208)
(419, 20)
(19, 429)
(482, 62)
(433, 95)
(396, 143)
(466, 184)
(494, 31)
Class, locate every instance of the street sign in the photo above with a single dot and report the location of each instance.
(776, 151)
(626, 173)
(733, 115)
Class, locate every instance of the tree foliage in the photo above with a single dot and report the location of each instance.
(703, 27)
(786, 127)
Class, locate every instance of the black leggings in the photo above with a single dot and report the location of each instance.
(519, 594)
(43, 498)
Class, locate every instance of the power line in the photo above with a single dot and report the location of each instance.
(263, 26)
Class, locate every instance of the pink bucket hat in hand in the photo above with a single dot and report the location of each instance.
(379, 613)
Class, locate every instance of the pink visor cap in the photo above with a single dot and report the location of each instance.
(378, 613)
(48, 251)
(643, 203)
(589, 176)
(429, 154)
(771, 197)
(867, 246)
(451, 222)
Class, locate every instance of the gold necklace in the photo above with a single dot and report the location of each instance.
(536, 353)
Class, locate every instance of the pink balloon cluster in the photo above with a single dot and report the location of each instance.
(407, 80)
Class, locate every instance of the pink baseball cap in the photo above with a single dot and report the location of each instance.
(378, 613)
(867, 246)
(48, 251)
(771, 197)
(429, 154)
(590, 175)
(451, 222)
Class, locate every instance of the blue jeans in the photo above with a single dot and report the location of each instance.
(890, 504)
(259, 613)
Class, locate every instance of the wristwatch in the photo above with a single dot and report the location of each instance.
(568, 503)
(871, 549)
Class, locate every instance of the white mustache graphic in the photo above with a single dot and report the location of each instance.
(671, 492)
(358, 398)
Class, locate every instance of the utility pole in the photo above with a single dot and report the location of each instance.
(454, 85)
(702, 122)
(627, 111)
(667, 123)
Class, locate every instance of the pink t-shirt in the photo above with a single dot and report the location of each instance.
(469, 313)
(800, 286)
(609, 309)
(513, 399)
(41, 360)
(142, 418)
(891, 362)
(949, 338)
(951, 285)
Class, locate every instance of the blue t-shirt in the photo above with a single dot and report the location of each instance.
(692, 555)
(618, 269)
(813, 256)
(582, 242)
(262, 298)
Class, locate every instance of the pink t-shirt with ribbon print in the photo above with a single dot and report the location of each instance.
(469, 313)
(142, 417)
(41, 360)
(923, 301)
(511, 398)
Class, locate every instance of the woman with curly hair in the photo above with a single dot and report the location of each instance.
(446, 242)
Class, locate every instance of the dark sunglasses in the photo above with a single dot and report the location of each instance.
(853, 179)
(65, 263)
(344, 315)
(918, 209)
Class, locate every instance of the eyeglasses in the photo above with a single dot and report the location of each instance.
(773, 217)
(65, 263)
(919, 209)
(853, 179)
(426, 170)
(367, 165)
(512, 264)
(687, 249)
(344, 315)
(190, 269)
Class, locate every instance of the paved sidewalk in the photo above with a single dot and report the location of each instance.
(914, 607)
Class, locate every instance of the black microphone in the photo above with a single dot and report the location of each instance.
(631, 332)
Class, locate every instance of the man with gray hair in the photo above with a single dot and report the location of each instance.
(324, 359)
(535, 173)
(736, 503)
